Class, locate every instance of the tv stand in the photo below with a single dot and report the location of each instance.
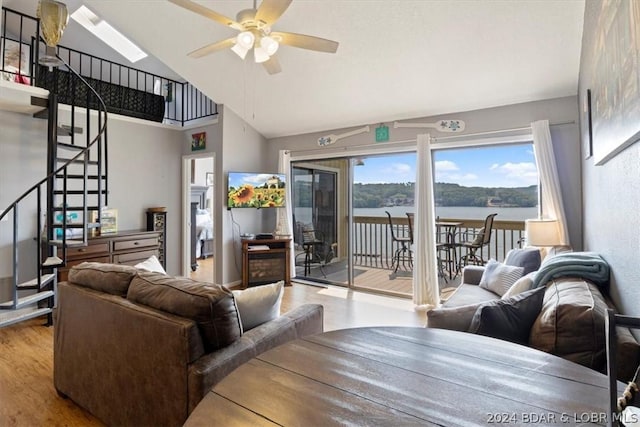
(265, 261)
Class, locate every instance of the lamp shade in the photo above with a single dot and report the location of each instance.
(269, 45)
(260, 55)
(542, 232)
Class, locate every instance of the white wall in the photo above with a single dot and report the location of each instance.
(243, 151)
(23, 154)
(611, 196)
(213, 146)
(144, 171)
(565, 140)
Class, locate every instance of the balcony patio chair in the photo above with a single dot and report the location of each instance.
(620, 406)
(476, 241)
(315, 250)
(403, 250)
(446, 250)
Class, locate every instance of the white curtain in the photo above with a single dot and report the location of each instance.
(551, 195)
(425, 273)
(284, 218)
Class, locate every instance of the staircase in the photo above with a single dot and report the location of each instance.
(74, 189)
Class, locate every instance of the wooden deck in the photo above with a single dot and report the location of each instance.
(380, 280)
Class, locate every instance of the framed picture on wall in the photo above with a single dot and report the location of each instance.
(587, 125)
(614, 87)
(198, 141)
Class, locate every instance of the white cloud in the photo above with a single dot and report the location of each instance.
(400, 170)
(446, 165)
(524, 173)
(494, 166)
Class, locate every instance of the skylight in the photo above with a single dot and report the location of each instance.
(105, 32)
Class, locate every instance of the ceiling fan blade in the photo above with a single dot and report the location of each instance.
(306, 42)
(270, 10)
(213, 47)
(208, 13)
(272, 65)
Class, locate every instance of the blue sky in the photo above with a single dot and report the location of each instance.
(495, 166)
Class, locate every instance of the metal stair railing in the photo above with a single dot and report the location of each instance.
(60, 172)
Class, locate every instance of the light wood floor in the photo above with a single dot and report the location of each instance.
(204, 272)
(27, 395)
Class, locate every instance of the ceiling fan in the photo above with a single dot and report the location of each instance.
(255, 33)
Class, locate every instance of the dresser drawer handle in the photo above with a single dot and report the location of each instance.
(82, 250)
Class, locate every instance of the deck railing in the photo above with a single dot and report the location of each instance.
(374, 246)
(184, 103)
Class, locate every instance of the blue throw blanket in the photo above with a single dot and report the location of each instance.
(585, 265)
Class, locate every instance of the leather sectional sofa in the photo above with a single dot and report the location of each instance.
(142, 348)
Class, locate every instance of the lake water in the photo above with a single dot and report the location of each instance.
(459, 212)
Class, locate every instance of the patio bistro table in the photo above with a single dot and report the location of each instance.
(391, 376)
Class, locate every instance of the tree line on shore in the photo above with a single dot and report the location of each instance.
(446, 194)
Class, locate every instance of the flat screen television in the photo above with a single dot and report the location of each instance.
(256, 190)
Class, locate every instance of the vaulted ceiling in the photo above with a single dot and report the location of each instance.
(396, 59)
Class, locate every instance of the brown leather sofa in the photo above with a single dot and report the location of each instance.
(142, 349)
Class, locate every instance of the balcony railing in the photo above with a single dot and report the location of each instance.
(184, 103)
(374, 247)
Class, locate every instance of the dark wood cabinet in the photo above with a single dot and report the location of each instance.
(157, 221)
(125, 247)
(265, 261)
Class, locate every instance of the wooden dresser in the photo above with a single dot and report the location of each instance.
(124, 247)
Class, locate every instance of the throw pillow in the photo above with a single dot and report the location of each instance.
(151, 264)
(528, 258)
(522, 284)
(110, 278)
(509, 319)
(498, 277)
(259, 304)
(211, 306)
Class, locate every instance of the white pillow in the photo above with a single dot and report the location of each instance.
(522, 284)
(151, 264)
(498, 277)
(259, 304)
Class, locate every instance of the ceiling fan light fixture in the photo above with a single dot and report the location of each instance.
(260, 54)
(240, 51)
(269, 45)
(246, 39)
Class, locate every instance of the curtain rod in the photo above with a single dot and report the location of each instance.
(335, 150)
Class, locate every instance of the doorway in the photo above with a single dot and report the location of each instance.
(198, 225)
(344, 202)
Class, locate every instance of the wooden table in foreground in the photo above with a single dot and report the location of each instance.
(399, 376)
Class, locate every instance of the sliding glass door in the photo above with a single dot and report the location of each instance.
(315, 204)
(342, 233)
